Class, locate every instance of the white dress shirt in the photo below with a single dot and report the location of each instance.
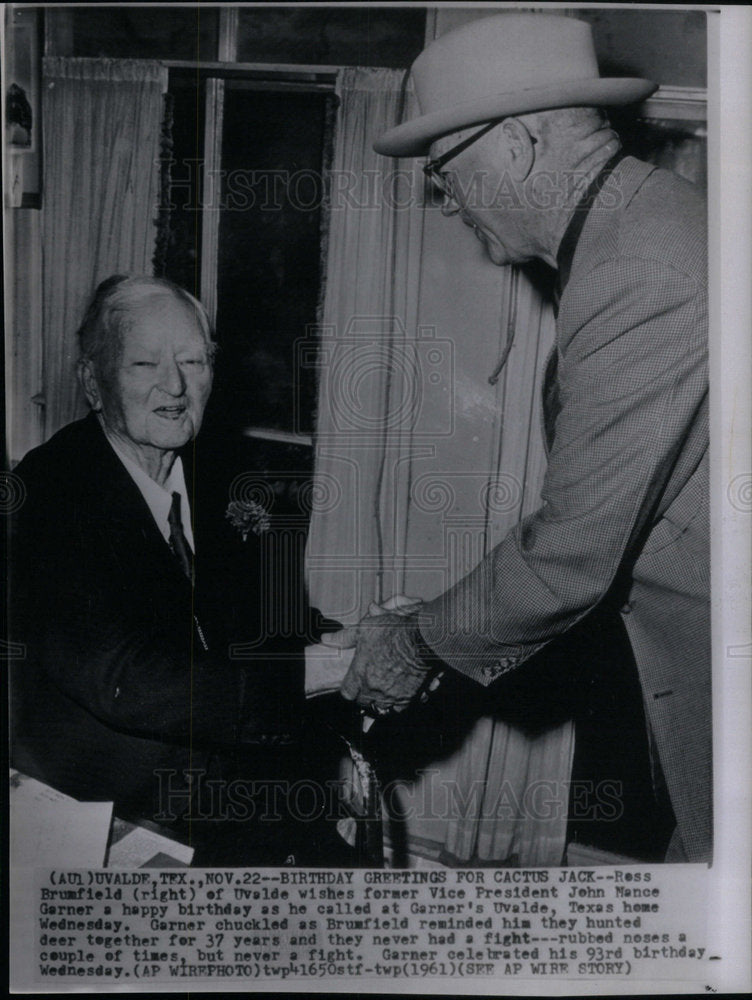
(159, 498)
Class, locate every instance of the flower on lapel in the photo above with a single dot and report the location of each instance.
(247, 516)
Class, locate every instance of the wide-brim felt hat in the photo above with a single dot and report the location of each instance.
(509, 64)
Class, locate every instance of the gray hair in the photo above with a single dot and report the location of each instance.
(109, 314)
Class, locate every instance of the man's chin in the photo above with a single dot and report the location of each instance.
(494, 250)
(172, 438)
(498, 256)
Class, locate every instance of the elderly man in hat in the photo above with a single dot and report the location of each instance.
(516, 139)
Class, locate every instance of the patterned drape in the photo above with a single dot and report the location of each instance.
(102, 121)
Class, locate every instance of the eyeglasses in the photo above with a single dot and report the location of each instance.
(432, 169)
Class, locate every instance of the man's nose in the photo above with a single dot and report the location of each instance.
(172, 378)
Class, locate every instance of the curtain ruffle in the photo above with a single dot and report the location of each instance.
(104, 70)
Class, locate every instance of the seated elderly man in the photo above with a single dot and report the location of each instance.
(131, 585)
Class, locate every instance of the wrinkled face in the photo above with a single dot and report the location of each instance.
(484, 197)
(153, 393)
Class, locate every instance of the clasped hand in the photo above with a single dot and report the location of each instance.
(387, 671)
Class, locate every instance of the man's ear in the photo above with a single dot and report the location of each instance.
(90, 385)
(520, 148)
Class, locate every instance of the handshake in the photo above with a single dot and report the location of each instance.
(391, 666)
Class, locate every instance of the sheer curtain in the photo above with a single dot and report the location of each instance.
(521, 816)
(369, 378)
(102, 121)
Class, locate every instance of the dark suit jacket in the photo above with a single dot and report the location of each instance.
(624, 518)
(115, 683)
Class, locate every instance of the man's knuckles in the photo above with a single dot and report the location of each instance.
(346, 638)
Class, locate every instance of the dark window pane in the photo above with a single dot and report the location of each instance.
(145, 32)
(269, 254)
(337, 36)
(183, 221)
(673, 144)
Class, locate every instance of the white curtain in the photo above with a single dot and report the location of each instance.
(368, 367)
(521, 816)
(377, 428)
(102, 121)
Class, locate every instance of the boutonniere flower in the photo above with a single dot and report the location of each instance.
(248, 516)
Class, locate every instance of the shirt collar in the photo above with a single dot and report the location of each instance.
(159, 498)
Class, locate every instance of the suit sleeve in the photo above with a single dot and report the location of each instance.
(133, 663)
(632, 380)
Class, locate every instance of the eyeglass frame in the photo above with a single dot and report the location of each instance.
(432, 168)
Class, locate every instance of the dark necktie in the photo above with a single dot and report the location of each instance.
(178, 542)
